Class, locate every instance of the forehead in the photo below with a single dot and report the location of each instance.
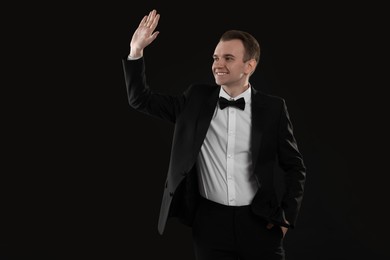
(232, 47)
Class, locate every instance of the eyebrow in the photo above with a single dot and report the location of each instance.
(225, 55)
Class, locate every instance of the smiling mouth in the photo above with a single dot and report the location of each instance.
(220, 73)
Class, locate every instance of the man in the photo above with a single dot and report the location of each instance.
(228, 138)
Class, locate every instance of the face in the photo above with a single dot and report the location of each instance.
(229, 68)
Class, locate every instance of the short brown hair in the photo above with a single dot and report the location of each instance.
(251, 45)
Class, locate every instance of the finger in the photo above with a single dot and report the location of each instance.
(153, 16)
(154, 35)
(284, 230)
(143, 21)
(150, 18)
(155, 22)
(147, 19)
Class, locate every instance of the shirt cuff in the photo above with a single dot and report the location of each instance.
(132, 58)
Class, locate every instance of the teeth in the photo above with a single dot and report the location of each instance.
(220, 73)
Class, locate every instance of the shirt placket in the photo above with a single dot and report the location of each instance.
(230, 156)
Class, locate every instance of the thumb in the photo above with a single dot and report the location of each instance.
(154, 35)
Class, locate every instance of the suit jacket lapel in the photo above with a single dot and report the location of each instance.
(204, 118)
(257, 123)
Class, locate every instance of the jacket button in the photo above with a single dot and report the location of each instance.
(171, 194)
(184, 173)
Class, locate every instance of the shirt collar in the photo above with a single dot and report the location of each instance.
(246, 94)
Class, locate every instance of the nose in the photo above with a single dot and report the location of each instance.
(218, 63)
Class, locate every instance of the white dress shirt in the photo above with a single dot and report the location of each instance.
(225, 160)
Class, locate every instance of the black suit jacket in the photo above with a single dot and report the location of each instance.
(272, 143)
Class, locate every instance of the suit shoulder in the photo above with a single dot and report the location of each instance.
(273, 99)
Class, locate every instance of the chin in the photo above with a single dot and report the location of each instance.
(219, 82)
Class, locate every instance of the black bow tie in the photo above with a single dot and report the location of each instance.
(240, 103)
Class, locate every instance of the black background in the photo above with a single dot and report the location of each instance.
(83, 172)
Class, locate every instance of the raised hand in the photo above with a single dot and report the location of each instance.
(144, 34)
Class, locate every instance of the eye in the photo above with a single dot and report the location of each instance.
(215, 58)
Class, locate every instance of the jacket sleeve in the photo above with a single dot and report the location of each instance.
(291, 161)
(145, 100)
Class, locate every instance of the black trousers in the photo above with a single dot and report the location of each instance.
(223, 232)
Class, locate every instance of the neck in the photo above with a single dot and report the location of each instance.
(235, 91)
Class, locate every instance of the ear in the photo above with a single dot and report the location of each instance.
(250, 66)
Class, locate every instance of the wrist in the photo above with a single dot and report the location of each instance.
(135, 54)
